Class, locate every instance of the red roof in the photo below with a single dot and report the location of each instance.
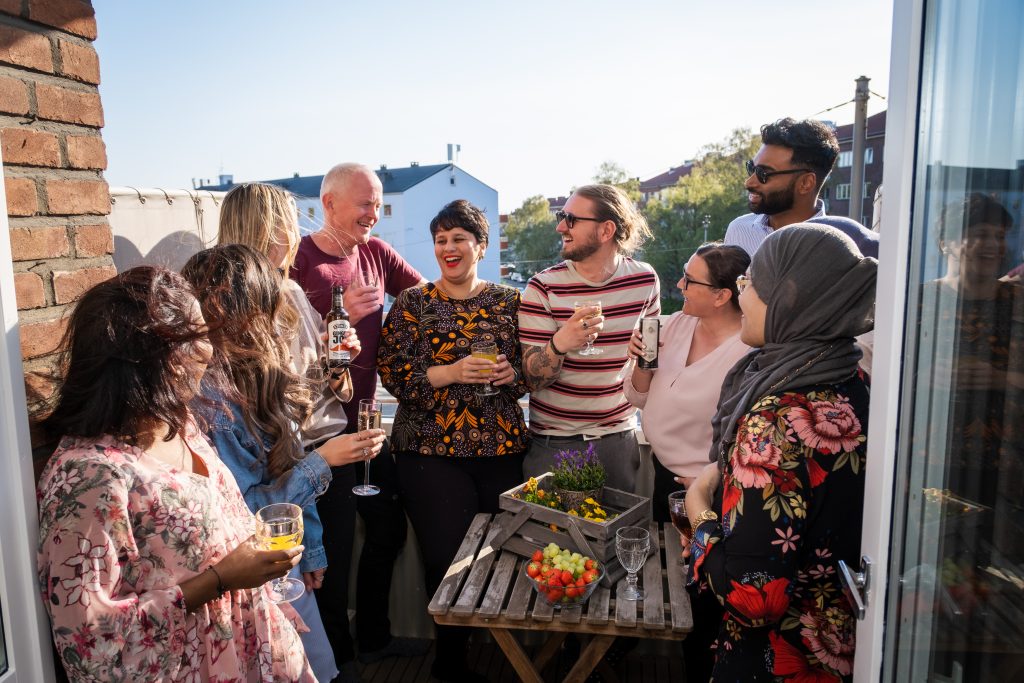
(667, 179)
(876, 128)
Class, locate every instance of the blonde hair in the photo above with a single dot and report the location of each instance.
(612, 204)
(258, 215)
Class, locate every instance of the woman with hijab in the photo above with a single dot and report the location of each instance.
(780, 505)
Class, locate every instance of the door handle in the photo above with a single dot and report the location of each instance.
(857, 585)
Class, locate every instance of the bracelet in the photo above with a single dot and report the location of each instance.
(221, 590)
(555, 348)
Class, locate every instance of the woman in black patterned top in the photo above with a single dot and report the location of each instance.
(456, 451)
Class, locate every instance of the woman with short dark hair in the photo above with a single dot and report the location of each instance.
(145, 558)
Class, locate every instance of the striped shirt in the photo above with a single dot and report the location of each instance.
(587, 398)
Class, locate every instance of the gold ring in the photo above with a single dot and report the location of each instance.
(584, 324)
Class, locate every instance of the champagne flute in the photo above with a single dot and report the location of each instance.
(589, 349)
(632, 543)
(487, 350)
(279, 527)
(677, 510)
(369, 418)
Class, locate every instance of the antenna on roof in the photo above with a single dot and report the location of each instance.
(453, 153)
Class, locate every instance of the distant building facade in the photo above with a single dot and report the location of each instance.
(836, 191)
(653, 188)
(412, 197)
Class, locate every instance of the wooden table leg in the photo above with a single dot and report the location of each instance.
(549, 649)
(523, 665)
(589, 658)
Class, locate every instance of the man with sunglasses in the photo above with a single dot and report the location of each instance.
(785, 179)
(576, 398)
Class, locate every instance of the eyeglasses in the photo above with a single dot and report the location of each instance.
(570, 220)
(763, 174)
(742, 282)
(687, 281)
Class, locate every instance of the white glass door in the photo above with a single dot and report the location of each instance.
(945, 522)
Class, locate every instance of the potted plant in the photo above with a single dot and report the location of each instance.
(578, 476)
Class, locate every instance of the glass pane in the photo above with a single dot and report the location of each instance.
(3, 644)
(957, 612)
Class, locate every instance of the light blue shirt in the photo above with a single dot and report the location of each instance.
(750, 229)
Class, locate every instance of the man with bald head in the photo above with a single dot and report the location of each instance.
(339, 254)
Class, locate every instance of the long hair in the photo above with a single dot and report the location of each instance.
(259, 215)
(127, 357)
(251, 324)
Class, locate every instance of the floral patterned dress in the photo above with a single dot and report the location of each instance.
(790, 505)
(119, 530)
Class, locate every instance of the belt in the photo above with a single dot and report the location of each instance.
(549, 438)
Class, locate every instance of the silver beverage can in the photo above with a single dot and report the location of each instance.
(650, 333)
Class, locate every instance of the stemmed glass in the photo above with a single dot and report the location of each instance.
(279, 527)
(589, 349)
(677, 510)
(487, 350)
(632, 543)
(369, 418)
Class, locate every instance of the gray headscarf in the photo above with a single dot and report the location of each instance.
(820, 294)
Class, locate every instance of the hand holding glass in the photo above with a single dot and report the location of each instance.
(589, 349)
(279, 527)
(488, 351)
(632, 543)
(369, 418)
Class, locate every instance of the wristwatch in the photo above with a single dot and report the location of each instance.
(708, 515)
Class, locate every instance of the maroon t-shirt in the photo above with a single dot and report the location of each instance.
(316, 272)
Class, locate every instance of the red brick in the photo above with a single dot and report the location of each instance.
(21, 196)
(13, 96)
(86, 151)
(68, 197)
(41, 338)
(73, 16)
(28, 290)
(10, 7)
(39, 243)
(68, 285)
(25, 48)
(26, 147)
(38, 386)
(73, 106)
(79, 62)
(93, 240)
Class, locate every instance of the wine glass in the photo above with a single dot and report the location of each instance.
(589, 349)
(279, 527)
(369, 418)
(487, 350)
(677, 510)
(632, 543)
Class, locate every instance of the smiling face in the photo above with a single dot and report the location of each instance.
(353, 207)
(698, 299)
(754, 313)
(583, 239)
(981, 252)
(779, 193)
(457, 252)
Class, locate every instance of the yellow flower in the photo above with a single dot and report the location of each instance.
(574, 513)
(590, 501)
(540, 493)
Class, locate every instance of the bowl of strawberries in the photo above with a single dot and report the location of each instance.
(563, 578)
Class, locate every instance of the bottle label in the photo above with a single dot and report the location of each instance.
(650, 331)
(336, 350)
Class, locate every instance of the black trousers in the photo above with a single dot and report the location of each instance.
(442, 495)
(384, 519)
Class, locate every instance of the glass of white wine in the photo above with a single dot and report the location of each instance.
(487, 350)
(589, 349)
(632, 543)
(279, 527)
(369, 418)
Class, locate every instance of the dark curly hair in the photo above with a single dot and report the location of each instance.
(813, 143)
(124, 359)
(956, 218)
(461, 214)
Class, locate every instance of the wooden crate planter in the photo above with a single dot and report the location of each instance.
(526, 527)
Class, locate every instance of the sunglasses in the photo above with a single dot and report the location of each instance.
(687, 281)
(570, 220)
(763, 174)
(742, 282)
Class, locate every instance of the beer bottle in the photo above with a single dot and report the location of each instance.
(338, 355)
(650, 333)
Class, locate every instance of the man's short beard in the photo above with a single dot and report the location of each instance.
(775, 202)
(580, 252)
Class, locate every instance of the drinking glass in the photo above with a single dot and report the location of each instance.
(279, 527)
(369, 418)
(632, 543)
(589, 349)
(368, 278)
(677, 510)
(488, 351)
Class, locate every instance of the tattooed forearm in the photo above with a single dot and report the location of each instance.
(541, 366)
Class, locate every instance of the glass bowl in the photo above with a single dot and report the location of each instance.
(564, 596)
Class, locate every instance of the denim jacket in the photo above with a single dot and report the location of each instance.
(243, 453)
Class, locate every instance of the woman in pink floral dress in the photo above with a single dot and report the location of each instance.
(782, 503)
(145, 560)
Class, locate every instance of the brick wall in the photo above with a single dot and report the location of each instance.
(54, 157)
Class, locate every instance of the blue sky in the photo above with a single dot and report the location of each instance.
(537, 93)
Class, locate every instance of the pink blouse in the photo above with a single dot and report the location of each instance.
(683, 398)
(118, 531)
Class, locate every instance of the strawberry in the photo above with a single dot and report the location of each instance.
(538, 556)
(567, 578)
(532, 570)
(588, 564)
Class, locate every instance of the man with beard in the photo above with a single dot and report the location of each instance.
(785, 180)
(576, 399)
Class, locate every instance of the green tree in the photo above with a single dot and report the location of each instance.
(610, 173)
(532, 239)
(709, 197)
